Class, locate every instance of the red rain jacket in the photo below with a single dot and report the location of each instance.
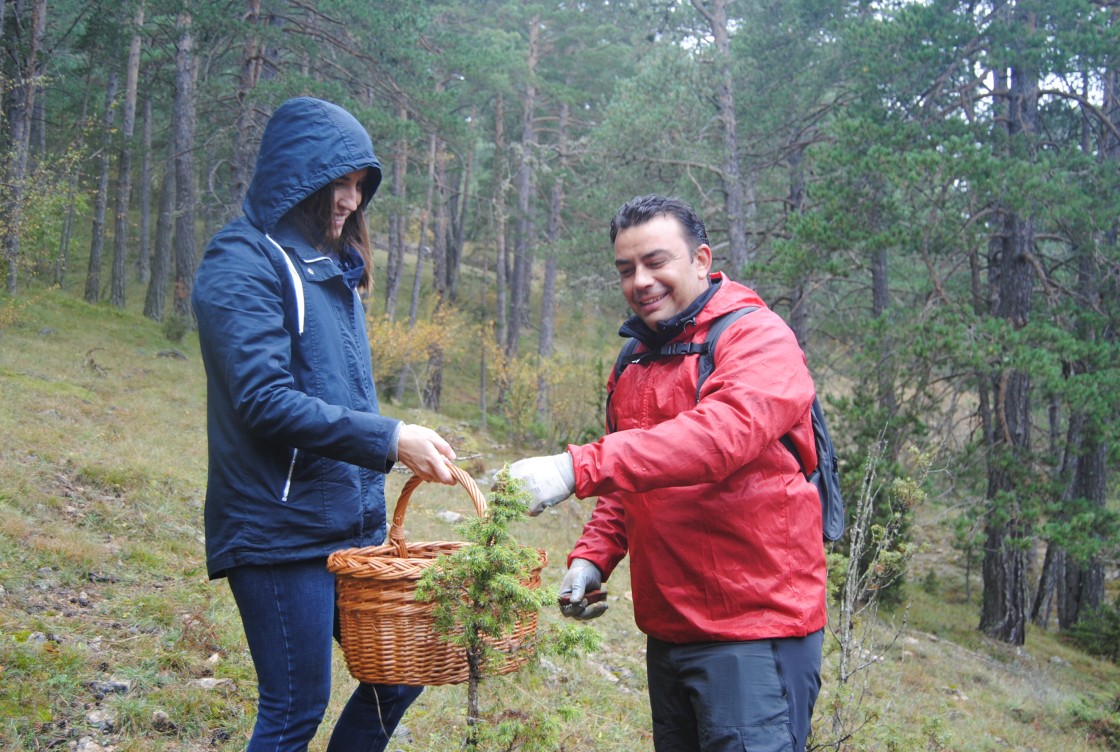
(722, 528)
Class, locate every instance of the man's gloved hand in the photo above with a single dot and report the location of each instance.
(549, 480)
(583, 577)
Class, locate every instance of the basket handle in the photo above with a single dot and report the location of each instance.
(396, 530)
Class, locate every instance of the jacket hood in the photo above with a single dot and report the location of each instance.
(307, 143)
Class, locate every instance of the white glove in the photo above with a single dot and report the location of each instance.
(582, 578)
(549, 480)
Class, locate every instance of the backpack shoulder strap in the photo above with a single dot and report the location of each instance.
(705, 349)
(707, 362)
(625, 358)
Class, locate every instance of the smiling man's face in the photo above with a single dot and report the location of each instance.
(659, 276)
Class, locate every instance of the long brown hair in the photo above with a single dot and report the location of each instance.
(315, 218)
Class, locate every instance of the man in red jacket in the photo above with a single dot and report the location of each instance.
(723, 530)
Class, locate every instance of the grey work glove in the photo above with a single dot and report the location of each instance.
(549, 480)
(582, 578)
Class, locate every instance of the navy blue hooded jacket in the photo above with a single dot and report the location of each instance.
(297, 447)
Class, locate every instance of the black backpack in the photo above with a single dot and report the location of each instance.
(826, 476)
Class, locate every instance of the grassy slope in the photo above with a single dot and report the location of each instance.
(101, 561)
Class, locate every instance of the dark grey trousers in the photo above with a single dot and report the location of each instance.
(753, 696)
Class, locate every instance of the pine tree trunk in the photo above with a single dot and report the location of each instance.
(440, 224)
(522, 255)
(156, 300)
(433, 388)
(62, 261)
(547, 326)
(119, 279)
(241, 161)
(184, 109)
(144, 262)
(37, 143)
(715, 13)
(1005, 607)
(459, 207)
(880, 306)
(799, 308)
(1080, 587)
(97, 234)
(418, 276)
(556, 201)
(398, 218)
(501, 265)
(19, 123)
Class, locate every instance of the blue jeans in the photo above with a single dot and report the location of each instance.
(290, 620)
(756, 695)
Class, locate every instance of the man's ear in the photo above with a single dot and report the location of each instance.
(703, 257)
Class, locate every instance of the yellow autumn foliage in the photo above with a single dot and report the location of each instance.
(394, 345)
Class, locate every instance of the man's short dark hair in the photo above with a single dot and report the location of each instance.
(642, 209)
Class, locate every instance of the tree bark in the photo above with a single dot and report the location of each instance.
(155, 302)
(37, 143)
(501, 265)
(522, 256)
(418, 275)
(460, 209)
(715, 13)
(119, 280)
(440, 224)
(63, 259)
(23, 96)
(143, 265)
(1075, 584)
(241, 161)
(880, 307)
(97, 234)
(433, 386)
(1080, 588)
(799, 308)
(1006, 567)
(184, 109)
(546, 345)
(398, 217)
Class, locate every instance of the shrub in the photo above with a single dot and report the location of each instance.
(1098, 632)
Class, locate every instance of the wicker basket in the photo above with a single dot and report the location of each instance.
(387, 636)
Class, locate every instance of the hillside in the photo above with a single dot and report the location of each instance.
(114, 639)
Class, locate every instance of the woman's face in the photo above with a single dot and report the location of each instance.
(346, 198)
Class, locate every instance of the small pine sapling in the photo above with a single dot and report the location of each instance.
(858, 644)
(481, 592)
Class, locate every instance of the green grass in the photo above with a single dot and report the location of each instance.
(101, 561)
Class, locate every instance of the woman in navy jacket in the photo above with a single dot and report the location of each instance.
(298, 449)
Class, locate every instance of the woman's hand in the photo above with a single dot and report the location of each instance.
(425, 453)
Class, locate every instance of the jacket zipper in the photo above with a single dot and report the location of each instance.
(291, 470)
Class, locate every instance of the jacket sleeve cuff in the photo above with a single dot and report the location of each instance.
(606, 565)
(391, 457)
